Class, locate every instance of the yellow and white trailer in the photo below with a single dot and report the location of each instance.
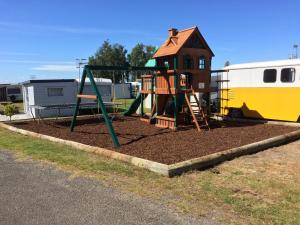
(265, 90)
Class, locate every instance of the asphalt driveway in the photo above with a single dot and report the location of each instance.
(37, 193)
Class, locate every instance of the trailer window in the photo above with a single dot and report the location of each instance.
(287, 75)
(52, 92)
(13, 91)
(270, 76)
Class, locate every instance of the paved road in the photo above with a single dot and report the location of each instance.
(34, 193)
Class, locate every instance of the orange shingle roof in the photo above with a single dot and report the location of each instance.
(173, 44)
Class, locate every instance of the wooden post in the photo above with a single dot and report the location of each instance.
(156, 95)
(175, 94)
(142, 98)
(152, 91)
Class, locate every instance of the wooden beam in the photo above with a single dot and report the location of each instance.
(124, 68)
(87, 96)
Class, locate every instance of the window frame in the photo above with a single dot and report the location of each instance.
(187, 66)
(14, 91)
(264, 76)
(294, 74)
(55, 95)
(202, 58)
(166, 64)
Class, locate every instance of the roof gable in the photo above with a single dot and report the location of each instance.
(184, 38)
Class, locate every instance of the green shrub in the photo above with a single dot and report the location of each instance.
(10, 110)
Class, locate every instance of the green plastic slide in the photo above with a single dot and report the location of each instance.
(134, 105)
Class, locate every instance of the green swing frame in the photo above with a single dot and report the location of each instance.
(87, 73)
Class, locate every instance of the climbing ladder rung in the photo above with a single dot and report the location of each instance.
(197, 114)
(87, 96)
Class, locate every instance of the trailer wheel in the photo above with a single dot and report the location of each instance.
(235, 113)
(298, 120)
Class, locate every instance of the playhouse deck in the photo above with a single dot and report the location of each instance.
(161, 145)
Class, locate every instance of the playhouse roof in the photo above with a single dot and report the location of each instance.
(174, 43)
(150, 63)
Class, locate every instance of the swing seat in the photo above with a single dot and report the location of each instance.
(87, 96)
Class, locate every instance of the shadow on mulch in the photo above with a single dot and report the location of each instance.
(92, 120)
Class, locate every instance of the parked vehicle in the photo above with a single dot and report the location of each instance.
(59, 95)
(11, 92)
(264, 90)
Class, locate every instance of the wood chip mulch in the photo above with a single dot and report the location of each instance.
(137, 138)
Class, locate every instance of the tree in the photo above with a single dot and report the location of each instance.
(227, 63)
(115, 55)
(109, 55)
(10, 110)
(139, 56)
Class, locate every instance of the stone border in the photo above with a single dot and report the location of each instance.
(173, 169)
(219, 157)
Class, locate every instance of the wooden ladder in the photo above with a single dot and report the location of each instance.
(198, 114)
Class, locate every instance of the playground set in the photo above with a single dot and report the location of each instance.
(177, 84)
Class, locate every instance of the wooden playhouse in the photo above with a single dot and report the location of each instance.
(177, 93)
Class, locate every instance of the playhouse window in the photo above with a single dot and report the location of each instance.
(52, 92)
(201, 62)
(287, 75)
(270, 76)
(166, 64)
(188, 62)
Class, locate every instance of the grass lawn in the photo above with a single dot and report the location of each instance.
(257, 189)
(126, 103)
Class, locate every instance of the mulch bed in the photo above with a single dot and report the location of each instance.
(161, 145)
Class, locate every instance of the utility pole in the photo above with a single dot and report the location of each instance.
(80, 63)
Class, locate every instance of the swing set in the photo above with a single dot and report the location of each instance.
(181, 72)
(88, 73)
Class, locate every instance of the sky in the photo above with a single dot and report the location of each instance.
(42, 39)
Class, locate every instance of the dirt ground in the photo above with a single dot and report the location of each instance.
(161, 145)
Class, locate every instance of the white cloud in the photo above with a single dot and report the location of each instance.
(56, 68)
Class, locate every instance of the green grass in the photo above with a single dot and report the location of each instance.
(125, 103)
(63, 155)
(251, 190)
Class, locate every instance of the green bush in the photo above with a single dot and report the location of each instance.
(10, 110)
